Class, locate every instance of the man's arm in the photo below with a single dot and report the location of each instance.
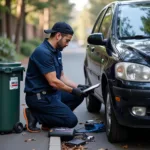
(56, 83)
(67, 81)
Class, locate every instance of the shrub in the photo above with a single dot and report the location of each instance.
(26, 48)
(7, 50)
(35, 42)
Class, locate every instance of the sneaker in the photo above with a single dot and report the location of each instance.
(30, 121)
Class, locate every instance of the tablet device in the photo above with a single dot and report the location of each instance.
(91, 88)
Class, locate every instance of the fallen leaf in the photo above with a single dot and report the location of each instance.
(125, 146)
(24, 133)
(81, 123)
(33, 139)
(65, 147)
(29, 140)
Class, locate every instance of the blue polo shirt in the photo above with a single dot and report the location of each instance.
(44, 59)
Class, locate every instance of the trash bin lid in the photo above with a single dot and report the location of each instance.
(10, 67)
(11, 64)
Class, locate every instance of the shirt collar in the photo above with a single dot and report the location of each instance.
(49, 45)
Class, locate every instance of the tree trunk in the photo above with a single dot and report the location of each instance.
(24, 28)
(49, 16)
(41, 23)
(1, 25)
(46, 18)
(19, 23)
(8, 19)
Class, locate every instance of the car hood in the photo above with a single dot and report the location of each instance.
(137, 51)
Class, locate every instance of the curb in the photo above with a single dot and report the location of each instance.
(54, 143)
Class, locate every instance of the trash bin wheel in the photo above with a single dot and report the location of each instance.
(18, 128)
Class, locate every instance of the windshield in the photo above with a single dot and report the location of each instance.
(133, 21)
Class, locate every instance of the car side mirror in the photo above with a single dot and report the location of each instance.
(96, 39)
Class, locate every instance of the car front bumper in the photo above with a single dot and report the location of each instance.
(128, 99)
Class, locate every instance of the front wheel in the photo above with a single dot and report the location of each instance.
(114, 131)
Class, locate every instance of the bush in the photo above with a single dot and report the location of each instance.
(27, 48)
(35, 42)
(7, 50)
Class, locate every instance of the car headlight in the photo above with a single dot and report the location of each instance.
(132, 72)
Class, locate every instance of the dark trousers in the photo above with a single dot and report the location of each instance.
(54, 110)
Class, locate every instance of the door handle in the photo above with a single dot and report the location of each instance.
(87, 47)
(92, 49)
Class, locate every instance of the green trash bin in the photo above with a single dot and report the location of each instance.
(10, 76)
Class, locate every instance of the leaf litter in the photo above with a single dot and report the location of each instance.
(29, 140)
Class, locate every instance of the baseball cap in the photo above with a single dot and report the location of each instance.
(61, 27)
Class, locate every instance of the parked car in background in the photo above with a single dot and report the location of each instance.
(118, 57)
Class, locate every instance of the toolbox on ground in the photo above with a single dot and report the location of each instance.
(64, 133)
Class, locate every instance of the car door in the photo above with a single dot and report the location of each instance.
(92, 66)
(100, 50)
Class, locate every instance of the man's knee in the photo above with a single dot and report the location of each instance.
(72, 122)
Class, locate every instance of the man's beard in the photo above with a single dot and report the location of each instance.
(59, 45)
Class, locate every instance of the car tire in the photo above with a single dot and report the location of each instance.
(114, 131)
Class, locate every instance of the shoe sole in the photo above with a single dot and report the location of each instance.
(25, 117)
(45, 129)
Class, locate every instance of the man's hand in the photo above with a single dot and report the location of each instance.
(83, 87)
(78, 92)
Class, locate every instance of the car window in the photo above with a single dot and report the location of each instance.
(98, 22)
(106, 23)
(134, 21)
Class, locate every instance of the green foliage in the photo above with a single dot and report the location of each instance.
(7, 50)
(27, 48)
(59, 10)
(35, 42)
(62, 11)
(39, 5)
(3, 8)
(20, 57)
(146, 23)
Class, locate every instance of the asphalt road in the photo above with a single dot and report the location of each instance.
(73, 58)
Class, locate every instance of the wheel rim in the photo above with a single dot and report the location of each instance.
(108, 113)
